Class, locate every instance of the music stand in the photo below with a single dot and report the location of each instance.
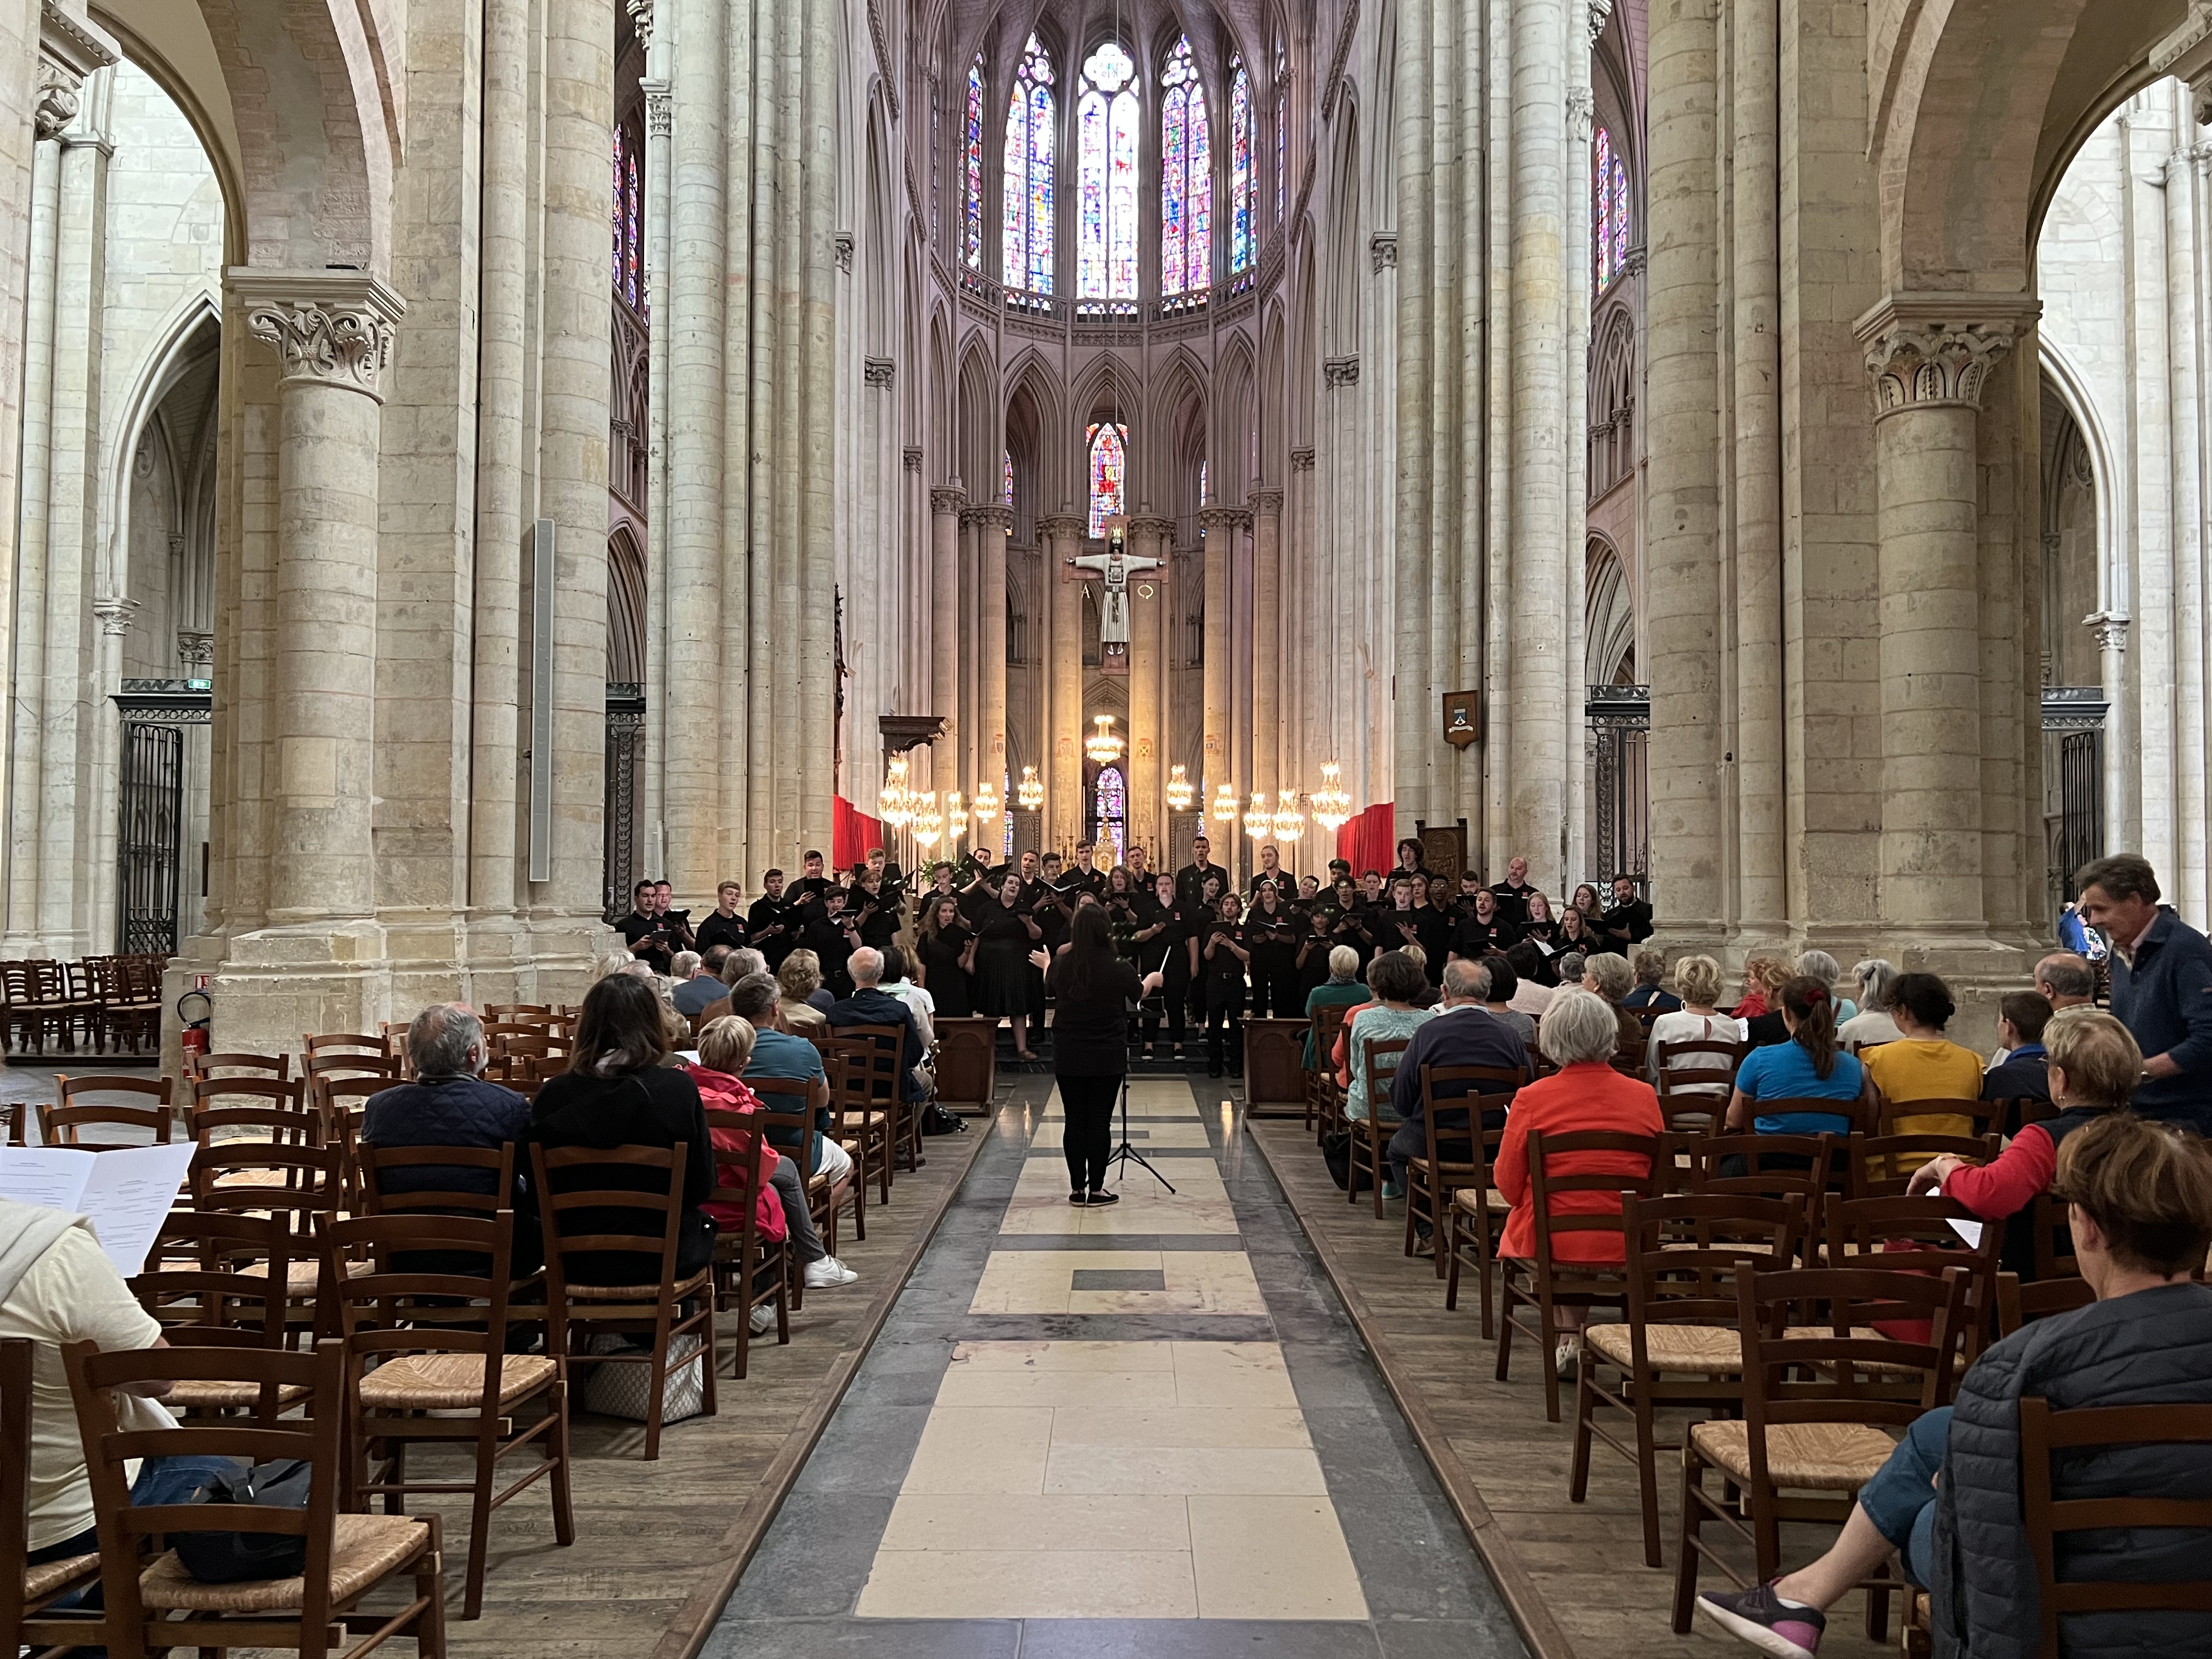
(1125, 1153)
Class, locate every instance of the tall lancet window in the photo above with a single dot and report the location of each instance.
(1241, 183)
(1106, 167)
(1186, 179)
(1608, 211)
(971, 162)
(1109, 472)
(628, 221)
(1029, 181)
(1282, 132)
(1110, 808)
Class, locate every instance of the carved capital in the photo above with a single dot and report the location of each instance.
(942, 500)
(640, 19)
(115, 613)
(1152, 525)
(1937, 350)
(69, 50)
(327, 327)
(177, 544)
(1269, 502)
(2110, 629)
(1340, 371)
(993, 515)
(195, 648)
(1580, 118)
(660, 108)
(878, 371)
(1382, 251)
(1211, 518)
(912, 459)
(842, 246)
(1301, 458)
(56, 104)
(1599, 11)
(1064, 526)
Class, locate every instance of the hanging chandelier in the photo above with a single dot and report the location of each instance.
(956, 819)
(1102, 745)
(1179, 790)
(1332, 807)
(1259, 821)
(928, 822)
(895, 801)
(1289, 822)
(988, 805)
(1030, 793)
(1224, 806)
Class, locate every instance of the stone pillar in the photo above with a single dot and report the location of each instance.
(26, 785)
(993, 524)
(2123, 825)
(944, 652)
(971, 725)
(1149, 538)
(1929, 363)
(1218, 525)
(1268, 722)
(332, 332)
(1062, 763)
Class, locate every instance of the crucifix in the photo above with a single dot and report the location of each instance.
(1115, 567)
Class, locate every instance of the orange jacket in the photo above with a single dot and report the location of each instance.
(1588, 1096)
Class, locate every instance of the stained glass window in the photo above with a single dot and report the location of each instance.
(1009, 455)
(1203, 499)
(1608, 211)
(1109, 467)
(1029, 181)
(1282, 132)
(1186, 179)
(972, 153)
(628, 220)
(1106, 166)
(620, 144)
(1111, 809)
(632, 280)
(1241, 180)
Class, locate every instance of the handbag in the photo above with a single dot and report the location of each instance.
(229, 1558)
(936, 1121)
(619, 1390)
(1336, 1152)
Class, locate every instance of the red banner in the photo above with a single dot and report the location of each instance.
(1369, 841)
(852, 834)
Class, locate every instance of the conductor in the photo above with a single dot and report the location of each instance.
(1094, 989)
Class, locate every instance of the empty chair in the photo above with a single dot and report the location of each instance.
(151, 1123)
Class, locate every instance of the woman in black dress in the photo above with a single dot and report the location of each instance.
(1227, 955)
(1543, 930)
(1165, 946)
(1092, 988)
(1272, 934)
(1006, 986)
(948, 958)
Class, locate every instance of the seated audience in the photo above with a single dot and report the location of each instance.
(1343, 990)
(1579, 1036)
(1948, 1499)
(698, 979)
(1533, 995)
(1697, 980)
(779, 1053)
(871, 1004)
(1876, 978)
(2021, 1018)
(1463, 1033)
(1609, 976)
(1819, 965)
(1650, 984)
(2066, 981)
(806, 1006)
(1505, 987)
(1762, 976)
(617, 1092)
(898, 982)
(1923, 1064)
(1764, 1029)
(1805, 1066)
(1397, 1011)
(725, 1047)
(1569, 965)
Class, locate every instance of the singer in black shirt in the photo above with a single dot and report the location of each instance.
(723, 925)
(642, 930)
(773, 921)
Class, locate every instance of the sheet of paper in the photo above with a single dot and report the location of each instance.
(129, 1193)
(53, 1176)
(1970, 1231)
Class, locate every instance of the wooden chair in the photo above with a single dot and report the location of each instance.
(158, 1605)
(886, 1066)
(275, 1068)
(341, 1102)
(33, 998)
(25, 1591)
(1772, 1166)
(1370, 1139)
(349, 1053)
(750, 1271)
(2046, 1435)
(537, 1013)
(1327, 1095)
(297, 1185)
(966, 1066)
(1815, 1404)
(865, 1097)
(377, 1163)
(62, 1124)
(577, 1306)
(1544, 1283)
(234, 1112)
(790, 1115)
(1453, 1160)
(420, 1342)
(2053, 1236)
(1974, 1118)
(1880, 1165)
(1679, 1348)
(207, 1280)
(1908, 1235)
(2017, 1303)
(1687, 1100)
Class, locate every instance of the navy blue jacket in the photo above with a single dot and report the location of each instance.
(1458, 1036)
(2165, 998)
(871, 1006)
(2021, 1078)
(446, 1111)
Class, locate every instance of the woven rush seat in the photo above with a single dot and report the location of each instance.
(698, 1281)
(48, 1577)
(1447, 1167)
(1867, 1333)
(448, 1381)
(302, 1277)
(204, 1394)
(364, 1548)
(1474, 1203)
(253, 1178)
(1708, 1350)
(1805, 1456)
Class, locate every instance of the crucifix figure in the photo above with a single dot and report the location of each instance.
(1117, 566)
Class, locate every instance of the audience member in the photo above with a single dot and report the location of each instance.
(1697, 980)
(1819, 965)
(2161, 986)
(899, 981)
(1804, 1066)
(1762, 977)
(1463, 1033)
(2065, 981)
(1608, 976)
(1343, 990)
(1532, 995)
(699, 979)
(777, 1053)
(1873, 1024)
(871, 1004)
(805, 1004)
(1505, 988)
(1569, 965)
(1923, 1064)
(1397, 1012)
(1579, 1036)
(1650, 990)
(2022, 1017)
(1948, 1499)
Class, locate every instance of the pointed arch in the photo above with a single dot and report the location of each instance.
(1234, 453)
(980, 423)
(626, 595)
(1029, 187)
(1186, 178)
(1107, 146)
(1608, 617)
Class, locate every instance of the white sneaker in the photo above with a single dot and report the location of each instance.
(762, 1320)
(828, 1274)
(1563, 1358)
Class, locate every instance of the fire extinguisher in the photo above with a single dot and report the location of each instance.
(194, 1037)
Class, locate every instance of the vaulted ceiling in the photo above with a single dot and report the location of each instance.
(1216, 28)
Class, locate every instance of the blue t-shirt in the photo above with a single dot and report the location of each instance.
(1783, 1071)
(780, 1054)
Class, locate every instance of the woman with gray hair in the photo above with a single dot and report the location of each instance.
(1343, 990)
(1578, 1036)
(1819, 965)
(1871, 1024)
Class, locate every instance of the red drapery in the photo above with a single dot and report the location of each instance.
(1369, 841)
(853, 832)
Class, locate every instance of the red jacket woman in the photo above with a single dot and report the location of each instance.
(719, 1091)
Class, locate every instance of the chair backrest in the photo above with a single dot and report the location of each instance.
(1480, 1092)
(784, 1103)
(332, 1042)
(396, 1308)
(218, 1094)
(377, 1165)
(62, 1124)
(194, 1280)
(1547, 1184)
(295, 1183)
(1774, 1166)
(2046, 1435)
(2053, 1238)
(873, 1054)
(15, 1474)
(1820, 1346)
(1918, 1234)
(2017, 1303)
(1379, 1058)
(1684, 1249)
(274, 1067)
(743, 1197)
(574, 1211)
(1892, 1117)
(1327, 1025)
(315, 1436)
(1881, 1165)
(1715, 1068)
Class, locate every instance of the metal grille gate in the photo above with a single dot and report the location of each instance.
(148, 838)
(1619, 719)
(2073, 784)
(625, 740)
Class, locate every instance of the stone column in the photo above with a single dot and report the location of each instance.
(332, 332)
(1218, 525)
(1268, 722)
(1929, 363)
(971, 725)
(1149, 538)
(1062, 762)
(2122, 821)
(993, 524)
(945, 654)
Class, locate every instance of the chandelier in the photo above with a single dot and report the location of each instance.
(1289, 822)
(1224, 806)
(1179, 790)
(1030, 793)
(1259, 821)
(956, 819)
(928, 822)
(988, 805)
(1332, 807)
(895, 801)
(1102, 745)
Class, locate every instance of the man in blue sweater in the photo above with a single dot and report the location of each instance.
(2161, 986)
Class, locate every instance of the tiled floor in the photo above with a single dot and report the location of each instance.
(1145, 1431)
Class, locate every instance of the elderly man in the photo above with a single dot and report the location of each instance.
(2065, 981)
(699, 979)
(1464, 1033)
(2161, 986)
(871, 1004)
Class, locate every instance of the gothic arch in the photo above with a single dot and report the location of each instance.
(2066, 383)
(1609, 617)
(193, 329)
(625, 608)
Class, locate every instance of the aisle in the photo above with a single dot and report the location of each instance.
(1141, 1431)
